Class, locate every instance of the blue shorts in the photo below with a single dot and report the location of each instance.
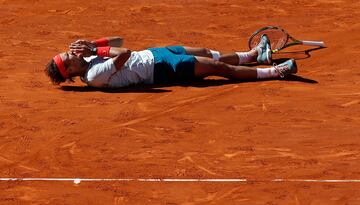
(172, 65)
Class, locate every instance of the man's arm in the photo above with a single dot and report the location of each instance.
(107, 41)
(119, 56)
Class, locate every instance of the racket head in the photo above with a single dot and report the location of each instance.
(278, 37)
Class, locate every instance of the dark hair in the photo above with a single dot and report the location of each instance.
(53, 72)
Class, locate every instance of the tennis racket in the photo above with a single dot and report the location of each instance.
(279, 39)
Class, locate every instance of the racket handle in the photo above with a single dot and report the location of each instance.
(314, 43)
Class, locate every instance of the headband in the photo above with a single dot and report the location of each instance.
(60, 64)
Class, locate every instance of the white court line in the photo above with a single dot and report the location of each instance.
(78, 180)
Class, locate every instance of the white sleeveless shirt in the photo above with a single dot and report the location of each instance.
(139, 68)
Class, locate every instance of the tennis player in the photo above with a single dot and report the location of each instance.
(104, 63)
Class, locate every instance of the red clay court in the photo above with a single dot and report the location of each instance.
(303, 128)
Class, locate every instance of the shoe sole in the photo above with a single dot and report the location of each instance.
(294, 70)
(268, 55)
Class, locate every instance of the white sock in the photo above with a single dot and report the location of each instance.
(245, 57)
(215, 55)
(263, 73)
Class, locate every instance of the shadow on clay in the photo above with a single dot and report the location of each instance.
(162, 88)
(159, 88)
(132, 89)
(297, 55)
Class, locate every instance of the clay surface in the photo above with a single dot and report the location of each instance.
(303, 128)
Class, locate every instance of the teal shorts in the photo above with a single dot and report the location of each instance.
(173, 65)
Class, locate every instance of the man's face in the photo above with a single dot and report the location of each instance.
(72, 62)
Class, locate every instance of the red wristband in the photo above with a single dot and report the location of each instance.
(102, 42)
(103, 51)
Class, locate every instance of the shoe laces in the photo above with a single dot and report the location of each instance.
(261, 45)
(281, 69)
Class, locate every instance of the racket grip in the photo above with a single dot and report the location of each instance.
(314, 43)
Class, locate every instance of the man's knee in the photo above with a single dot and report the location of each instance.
(216, 67)
(207, 52)
(219, 64)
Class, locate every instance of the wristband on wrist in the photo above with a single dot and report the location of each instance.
(103, 51)
(102, 42)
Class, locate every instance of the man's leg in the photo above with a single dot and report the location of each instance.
(203, 52)
(260, 54)
(205, 67)
(237, 58)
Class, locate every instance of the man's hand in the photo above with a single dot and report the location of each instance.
(82, 48)
(90, 44)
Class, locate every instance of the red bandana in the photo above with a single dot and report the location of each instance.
(60, 64)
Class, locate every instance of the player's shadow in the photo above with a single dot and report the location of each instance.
(166, 87)
(130, 89)
(157, 88)
(300, 79)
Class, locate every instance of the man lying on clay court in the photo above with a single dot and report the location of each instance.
(112, 66)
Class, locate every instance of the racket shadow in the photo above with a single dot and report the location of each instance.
(297, 55)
